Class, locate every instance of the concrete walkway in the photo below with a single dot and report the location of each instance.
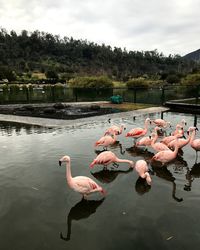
(45, 122)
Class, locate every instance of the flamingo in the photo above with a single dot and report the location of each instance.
(146, 141)
(161, 123)
(178, 131)
(194, 143)
(115, 129)
(81, 184)
(139, 132)
(181, 142)
(107, 157)
(141, 168)
(157, 146)
(166, 155)
(106, 140)
(166, 140)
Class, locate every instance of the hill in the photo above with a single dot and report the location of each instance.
(42, 52)
(195, 55)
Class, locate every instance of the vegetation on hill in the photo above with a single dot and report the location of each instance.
(66, 58)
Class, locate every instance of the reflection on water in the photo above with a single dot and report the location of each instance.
(82, 210)
(35, 196)
(191, 174)
(107, 176)
(141, 186)
(164, 173)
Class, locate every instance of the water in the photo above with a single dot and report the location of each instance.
(39, 211)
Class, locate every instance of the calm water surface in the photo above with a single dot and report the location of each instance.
(39, 211)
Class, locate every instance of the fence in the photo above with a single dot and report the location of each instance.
(10, 94)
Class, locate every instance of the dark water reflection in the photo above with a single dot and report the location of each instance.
(83, 209)
(35, 200)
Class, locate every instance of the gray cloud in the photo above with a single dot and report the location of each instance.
(170, 26)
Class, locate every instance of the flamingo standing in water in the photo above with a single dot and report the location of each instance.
(107, 157)
(178, 131)
(146, 141)
(139, 132)
(161, 123)
(81, 184)
(157, 146)
(194, 143)
(181, 142)
(115, 129)
(141, 168)
(166, 140)
(166, 155)
(106, 140)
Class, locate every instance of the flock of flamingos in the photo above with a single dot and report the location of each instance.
(166, 148)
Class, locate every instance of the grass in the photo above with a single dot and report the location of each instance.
(127, 106)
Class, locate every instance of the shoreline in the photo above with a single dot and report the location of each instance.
(53, 123)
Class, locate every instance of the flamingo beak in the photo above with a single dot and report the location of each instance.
(188, 132)
(60, 163)
(197, 129)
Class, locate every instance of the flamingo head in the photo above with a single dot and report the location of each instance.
(132, 164)
(148, 120)
(123, 127)
(148, 178)
(191, 129)
(65, 158)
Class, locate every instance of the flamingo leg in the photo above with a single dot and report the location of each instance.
(115, 165)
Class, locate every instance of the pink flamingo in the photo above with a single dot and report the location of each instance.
(106, 140)
(157, 146)
(139, 132)
(107, 157)
(81, 184)
(166, 155)
(141, 168)
(166, 140)
(178, 131)
(146, 141)
(181, 142)
(194, 143)
(115, 129)
(161, 123)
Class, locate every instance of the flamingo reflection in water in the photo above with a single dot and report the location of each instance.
(192, 174)
(164, 173)
(107, 176)
(82, 210)
(141, 186)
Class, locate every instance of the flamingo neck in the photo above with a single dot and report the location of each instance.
(68, 173)
(124, 160)
(192, 137)
(146, 125)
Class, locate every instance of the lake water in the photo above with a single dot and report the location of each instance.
(39, 211)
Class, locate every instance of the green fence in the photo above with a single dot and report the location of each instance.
(52, 93)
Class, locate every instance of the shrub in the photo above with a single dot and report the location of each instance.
(91, 82)
(191, 79)
(142, 82)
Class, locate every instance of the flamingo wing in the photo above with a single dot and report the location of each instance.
(135, 132)
(84, 185)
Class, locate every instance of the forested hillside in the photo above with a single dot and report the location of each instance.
(40, 51)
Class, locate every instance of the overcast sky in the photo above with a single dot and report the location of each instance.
(171, 26)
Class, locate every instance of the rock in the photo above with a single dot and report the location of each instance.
(59, 105)
(28, 107)
(95, 107)
(49, 110)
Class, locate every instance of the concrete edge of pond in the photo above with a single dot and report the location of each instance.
(51, 123)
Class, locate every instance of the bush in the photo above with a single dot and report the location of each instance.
(173, 78)
(142, 82)
(91, 82)
(191, 79)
